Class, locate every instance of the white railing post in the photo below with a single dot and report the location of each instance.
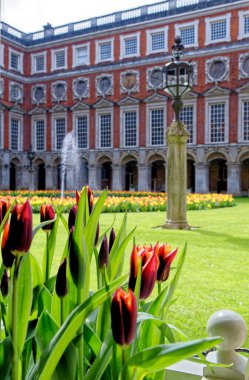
(232, 328)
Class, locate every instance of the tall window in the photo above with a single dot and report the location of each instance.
(130, 128)
(60, 132)
(186, 116)
(15, 60)
(40, 134)
(39, 63)
(15, 134)
(217, 122)
(245, 116)
(105, 51)
(59, 59)
(246, 24)
(157, 126)
(1, 55)
(157, 41)
(105, 133)
(81, 55)
(218, 29)
(243, 24)
(188, 32)
(188, 35)
(130, 45)
(81, 130)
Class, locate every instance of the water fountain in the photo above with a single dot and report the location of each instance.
(69, 156)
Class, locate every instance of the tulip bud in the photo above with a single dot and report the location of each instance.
(165, 259)
(47, 213)
(103, 253)
(77, 193)
(20, 230)
(61, 280)
(7, 256)
(72, 217)
(123, 316)
(90, 199)
(111, 239)
(73, 258)
(3, 209)
(5, 284)
(97, 235)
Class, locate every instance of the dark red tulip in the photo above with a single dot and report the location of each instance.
(73, 258)
(112, 239)
(103, 253)
(61, 280)
(149, 270)
(77, 197)
(4, 286)
(124, 316)
(47, 213)
(72, 217)
(20, 230)
(97, 235)
(90, 199)
(165, 259)
(7, 256)
(3, 209)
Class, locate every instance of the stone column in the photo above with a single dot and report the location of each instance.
(92, 177)
(116, 177)
(233, 178)
(49, 177)
(70, 180)
(31, 171)
(5, 177)
(177, 137)
(201, 178)
(143, 178)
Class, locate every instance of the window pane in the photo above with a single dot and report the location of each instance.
(105, 51)
(105, 130)
(14, 63)
(81, 54)
(14, 133)
(246, 25)
(246, 121)
(157, 41)
(217, 120)
(60, 59)
(188, 35)
(186, 116)
(82, 131)
(130, 128)
(131, 46)
(39, 63)
(60, 131)
(218, 30)
(40, 134)
(157, 135)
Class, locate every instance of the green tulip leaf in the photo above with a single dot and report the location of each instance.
(92, 339)
(5, 358)
(44, 300)
(43, 224)
(50, 357)
(49, 250)
(6, 216)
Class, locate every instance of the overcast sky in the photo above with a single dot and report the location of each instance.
(30, 15)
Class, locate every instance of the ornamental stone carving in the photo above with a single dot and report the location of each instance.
(59, 91)
(244, 65)
(81, 88)
(129, 81)
(104, 85)
(154, 78)
(15, 92)
(195, 72)
(38, 94)
(217, 69)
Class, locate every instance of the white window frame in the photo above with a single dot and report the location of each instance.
(1, 55)
(149, 108)
(20, 61)
(33, 62)
(125, 37)
(20, 130)
(53, 59)
(187, 25)
(123, 110)
(55, 116)
(75, 57)
(76, 115)
(242, 15)
(210, 20)
(98, 44)
(241, 98)
(188, 102)
(36, 118)
(150, 33)
(216, 100)
(1, 129)
(98, 114)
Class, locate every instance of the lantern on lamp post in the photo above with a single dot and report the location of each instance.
(178, 81)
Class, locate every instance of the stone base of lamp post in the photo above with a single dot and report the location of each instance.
(177, 136)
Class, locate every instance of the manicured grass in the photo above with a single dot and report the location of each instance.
(215, 275)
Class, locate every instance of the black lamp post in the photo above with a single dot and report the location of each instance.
(31, 157)
(178, 77)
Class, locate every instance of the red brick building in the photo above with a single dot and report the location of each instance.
(102, 80)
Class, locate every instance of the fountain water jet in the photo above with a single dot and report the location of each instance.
(69, 156)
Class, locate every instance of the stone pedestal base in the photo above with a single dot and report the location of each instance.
(176, 225)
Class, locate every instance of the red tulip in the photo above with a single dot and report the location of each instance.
(149, 270)
(103, 253)
(165, 259)
(20, 230)
(7, 256)
(47, 213)
(90, 199)
(72, 217)
(3, 209)
(124, 316)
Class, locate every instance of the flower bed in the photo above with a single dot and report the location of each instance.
(126, 201)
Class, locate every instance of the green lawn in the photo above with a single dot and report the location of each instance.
(215, 275)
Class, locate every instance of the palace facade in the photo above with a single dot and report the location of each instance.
(99, 83)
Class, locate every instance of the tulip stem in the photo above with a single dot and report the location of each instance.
(80, 344)
(124, 359)
(16, 362)
(47, 259)
(159, 287)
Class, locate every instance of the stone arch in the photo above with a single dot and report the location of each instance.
(39, 174)
(104, 172)
(191, 160)
(129, 173)
(57, 173)
(217, 163)
(15, 174)
(244, 172)
(157, 173)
